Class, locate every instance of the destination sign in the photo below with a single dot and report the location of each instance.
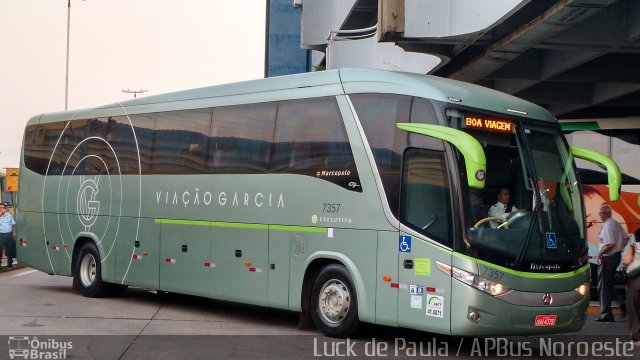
(480, 122)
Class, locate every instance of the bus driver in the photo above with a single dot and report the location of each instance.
(501, 208)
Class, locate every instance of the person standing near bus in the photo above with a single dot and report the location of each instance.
(501, 208)
(7, 234)
(612, 240)
(631, 259)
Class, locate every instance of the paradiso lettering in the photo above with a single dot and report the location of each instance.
(196, 197)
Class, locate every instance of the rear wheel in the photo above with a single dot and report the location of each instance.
(87, 276)
(334, 305)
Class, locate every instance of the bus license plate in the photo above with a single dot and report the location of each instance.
(545, 320)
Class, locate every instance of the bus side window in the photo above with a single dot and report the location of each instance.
(241, 138)
(180, 144)
(310, 139)
(425, 204)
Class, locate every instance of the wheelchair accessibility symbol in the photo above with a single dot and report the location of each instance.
(552, 243)
(404, 244)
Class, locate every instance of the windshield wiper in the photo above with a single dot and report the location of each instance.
(536, 218)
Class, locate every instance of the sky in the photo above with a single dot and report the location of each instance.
(158, 45)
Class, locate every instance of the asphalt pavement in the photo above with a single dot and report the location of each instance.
(41, 314)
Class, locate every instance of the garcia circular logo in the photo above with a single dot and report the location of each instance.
(84, 191)
(87, 205)
(480, 175)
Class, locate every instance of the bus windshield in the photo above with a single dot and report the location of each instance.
(529, 215)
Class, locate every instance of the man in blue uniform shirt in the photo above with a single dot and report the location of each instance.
(7, 234)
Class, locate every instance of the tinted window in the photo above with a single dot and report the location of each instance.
(241, 138)
(144, 126)
(40, 143)
(53, 147)
(90, 149)
(121, 156)
(311, 140)
(70, 146)
(378, 115)
(425, 204)
(181, 142)
(34, 155)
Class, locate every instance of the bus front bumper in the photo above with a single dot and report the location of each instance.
(477, 313)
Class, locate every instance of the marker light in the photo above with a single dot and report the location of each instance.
(444, 268)
(583, 289)
(480, 283)
(516, 111)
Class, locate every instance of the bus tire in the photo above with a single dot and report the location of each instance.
(334, 304)
(87, 275)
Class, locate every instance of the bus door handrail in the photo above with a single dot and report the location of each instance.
(614, 177)
(474, 157)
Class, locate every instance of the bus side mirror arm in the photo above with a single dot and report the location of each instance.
(614, 176)
(474, 158)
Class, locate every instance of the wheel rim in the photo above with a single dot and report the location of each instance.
(334, 301)
(88, 270)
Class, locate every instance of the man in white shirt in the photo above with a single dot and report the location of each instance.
(612, 240)
(500, 209)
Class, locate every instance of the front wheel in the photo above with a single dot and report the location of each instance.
(334, 304)
(87, 276)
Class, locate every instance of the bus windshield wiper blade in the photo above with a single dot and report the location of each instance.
(537, 205)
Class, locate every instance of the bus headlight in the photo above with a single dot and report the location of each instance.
(583, 289)
(480, 283)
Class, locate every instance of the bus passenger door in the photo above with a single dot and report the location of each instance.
(426, 236)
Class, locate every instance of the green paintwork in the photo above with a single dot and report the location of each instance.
(387, 297)
(357, 81)
(528, 275)
(498, 317)
(202, 219)
(241, 225)
(424, 272)
(613, 172)
(577, 126)
(474, 158)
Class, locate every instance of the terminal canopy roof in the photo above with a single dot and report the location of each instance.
(577, 58)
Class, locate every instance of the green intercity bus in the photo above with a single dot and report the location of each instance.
(352, 196)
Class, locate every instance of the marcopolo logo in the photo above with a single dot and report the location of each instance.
(330, 173)
(25, 347)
